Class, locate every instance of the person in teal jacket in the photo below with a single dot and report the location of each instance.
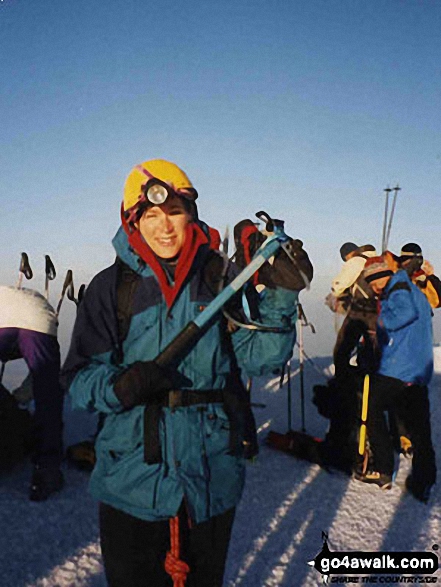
(404, 334)
(173, 441)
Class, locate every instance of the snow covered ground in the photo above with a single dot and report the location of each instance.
(286, 506)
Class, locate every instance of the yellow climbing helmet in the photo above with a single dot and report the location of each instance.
(152, 181)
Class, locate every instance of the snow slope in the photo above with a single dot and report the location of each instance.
(278, 529)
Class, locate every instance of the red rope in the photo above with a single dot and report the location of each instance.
(174, 566)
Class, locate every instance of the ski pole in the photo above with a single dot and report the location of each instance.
(288, 382)
(25, 269)
(301, 367)
(364, 415)
(394, 201)
(68, 283)
(50, 274)
(303, 321)
(181, 345)
(386, 210)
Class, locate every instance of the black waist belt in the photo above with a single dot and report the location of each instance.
(184, 397)
(173, 399)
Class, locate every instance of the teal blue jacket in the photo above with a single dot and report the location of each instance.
(197, 465)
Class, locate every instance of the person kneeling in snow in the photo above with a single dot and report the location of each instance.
(404, 334)
(173, 443)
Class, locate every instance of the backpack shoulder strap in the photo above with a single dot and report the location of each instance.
(127, 282)
(215, 270)
(398, 286)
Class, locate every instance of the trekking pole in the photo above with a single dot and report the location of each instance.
(394, 201)
(68, 283)
(288, 384)
(303, 321)
(364, 415)
(181, 345)
(25, 269)
(301, 366)
(50, 274)
(386, 210)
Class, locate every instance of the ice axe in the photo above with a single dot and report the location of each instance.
(67, 286)
(50, 274)
(71, 293)
(24, 269)
(364, 414)
(181, 345)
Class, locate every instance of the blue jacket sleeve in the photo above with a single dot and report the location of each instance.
(260, 352)
(89, 371)
(398, 311)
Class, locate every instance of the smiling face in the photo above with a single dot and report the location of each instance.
(164, 227)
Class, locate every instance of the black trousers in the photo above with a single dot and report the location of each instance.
(411, 404)
(134, 550)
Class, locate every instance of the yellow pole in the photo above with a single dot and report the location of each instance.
(364, 413)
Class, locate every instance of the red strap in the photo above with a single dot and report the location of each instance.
(194, 238)
(215, 239)
(174, 566)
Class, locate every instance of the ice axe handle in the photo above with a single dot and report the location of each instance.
(179, 346)
(270, 223)
(25, 268)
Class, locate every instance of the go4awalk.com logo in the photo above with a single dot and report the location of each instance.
(375, 567)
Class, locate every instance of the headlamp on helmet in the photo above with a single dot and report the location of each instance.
(164, 179)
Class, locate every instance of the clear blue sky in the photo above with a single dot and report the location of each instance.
(307, 109)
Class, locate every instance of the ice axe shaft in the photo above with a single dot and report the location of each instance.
(50, 274)
(180, 346)
(25, 269)
(364, 415)
(68, 283)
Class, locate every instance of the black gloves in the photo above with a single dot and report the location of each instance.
(142, 382)
(294, 274)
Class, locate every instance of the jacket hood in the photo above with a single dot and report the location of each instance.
(134, 251)
(125, 252)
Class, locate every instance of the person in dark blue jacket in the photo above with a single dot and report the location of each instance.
(172, 442)
(404, 332)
